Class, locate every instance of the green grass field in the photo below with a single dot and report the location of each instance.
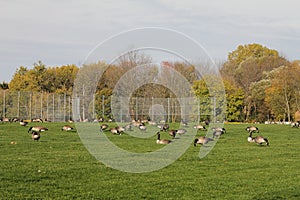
(60, 167)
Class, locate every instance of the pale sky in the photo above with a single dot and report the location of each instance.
(60, 32)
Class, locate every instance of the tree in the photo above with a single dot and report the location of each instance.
(246, 65)
(283, 93)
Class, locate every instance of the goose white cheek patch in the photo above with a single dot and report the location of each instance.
(162, 46)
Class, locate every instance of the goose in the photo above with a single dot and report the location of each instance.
(163, 127)
(219, 129)
(258, 139)
(120, 129)
(103, 127)
(202, 140)
(152, 123)
(37, 120)
(67, 128)
(217, 133)
(115, 131)
(35, 135)
(251, 129)
(173, 133)
(200, 127)
(37, 129)
(181, 131)
(163, 141)
(22, 123)
(142, 127)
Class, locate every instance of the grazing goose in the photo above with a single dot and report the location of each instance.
(181, 131)
(115, 131)
(142, 127)
(103, 127)
(35, 135)
(219, 129)
(173, 133)
(120, 129)
(252, 129)
(163, 141)
(67, 128)
(258, 139)
(37, 129)
(202, 140)
(217, 133)
(22, 123)
(163, 127)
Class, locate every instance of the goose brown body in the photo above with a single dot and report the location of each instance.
(67, 128)
(35, 135)
(202, 140)
(37, 129)
(162, 141)
(258, 139)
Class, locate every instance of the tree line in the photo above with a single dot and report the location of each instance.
(260, 84)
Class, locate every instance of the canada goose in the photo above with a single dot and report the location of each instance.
(173, 133)
(251, 129)
(163, 127)
(217, 133)
(202, 140)
(115, 131)
(67, 128)
(200, 127)
(35, 135)
(16, 120)
(163, 141)
(37, 120)
(103, 127)
(181, 131)
(37, 129)
(22, 123)
(258, 139)
(219, 129)
(5, 119)
(120, 129)
(152, 123)
(142, 127)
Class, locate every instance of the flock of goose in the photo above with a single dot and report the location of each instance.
(202, 140)
(164, 127)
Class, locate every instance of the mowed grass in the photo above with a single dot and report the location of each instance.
(60, 167)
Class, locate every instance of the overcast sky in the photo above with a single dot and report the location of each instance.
(59, 32)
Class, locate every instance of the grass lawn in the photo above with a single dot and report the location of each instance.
(60, 167)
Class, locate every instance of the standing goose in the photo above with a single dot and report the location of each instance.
(202, 140)
(35, 135)
(163, 141)
(37, 129)
(258, 139)
(67, 128)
